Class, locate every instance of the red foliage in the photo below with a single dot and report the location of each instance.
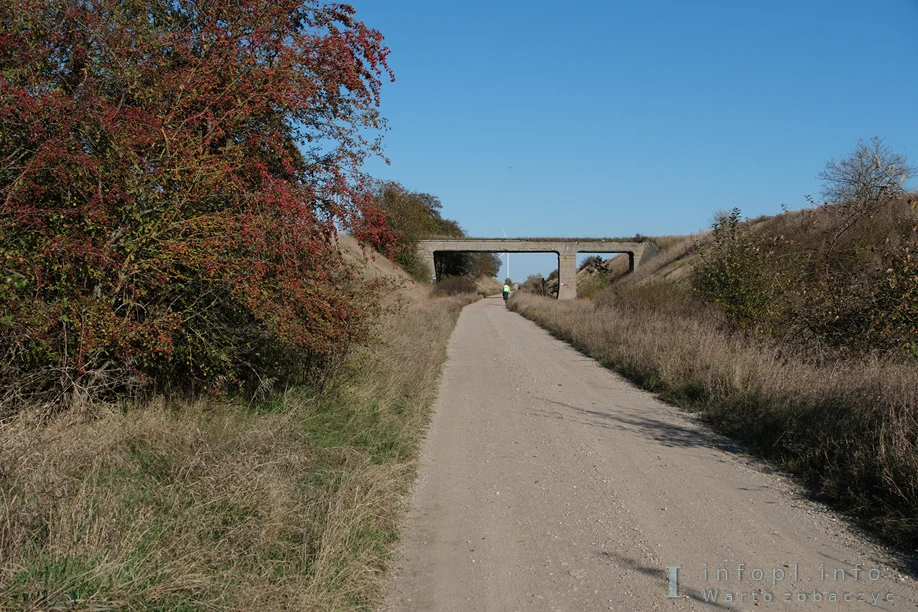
(172, 175)
(375, 230)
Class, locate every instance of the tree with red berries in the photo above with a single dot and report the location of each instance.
(172, 175)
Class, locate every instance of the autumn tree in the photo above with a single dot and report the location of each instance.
(414, 216)
(172, 176)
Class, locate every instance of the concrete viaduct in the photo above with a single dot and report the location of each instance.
(566, 249)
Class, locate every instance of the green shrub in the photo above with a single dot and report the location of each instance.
(732, 272)
(822, 280)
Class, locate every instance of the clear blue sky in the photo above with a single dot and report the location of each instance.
(611, 118)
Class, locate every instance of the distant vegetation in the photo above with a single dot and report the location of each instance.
(592, 260)
(536, 284)
(795, 333)
(416, 216)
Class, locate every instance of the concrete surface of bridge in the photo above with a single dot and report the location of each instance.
(566, 249)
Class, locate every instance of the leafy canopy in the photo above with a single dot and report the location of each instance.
(173, 173)
(414, 216)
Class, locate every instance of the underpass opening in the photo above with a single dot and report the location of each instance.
(597, 271)
(565, 249)
(526, 268)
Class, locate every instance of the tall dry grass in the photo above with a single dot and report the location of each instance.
(616, 270)
(849, 429)
(287, 504)
(670, 249)
(455, 285)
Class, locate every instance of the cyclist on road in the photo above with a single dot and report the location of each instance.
(506, 292)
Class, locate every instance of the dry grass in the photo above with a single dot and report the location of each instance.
(455, 285)
(671, 262)
(288, 504)
(672, 249)
(850, 429)
(488, 285)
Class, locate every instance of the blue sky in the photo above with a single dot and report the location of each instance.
(611, 118)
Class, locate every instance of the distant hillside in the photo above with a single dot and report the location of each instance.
(488, 285)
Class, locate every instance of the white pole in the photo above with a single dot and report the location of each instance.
(508, 257)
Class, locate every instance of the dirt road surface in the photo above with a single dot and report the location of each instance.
(549, 483)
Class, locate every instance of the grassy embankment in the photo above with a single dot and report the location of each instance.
(290, 504)
(846, 423)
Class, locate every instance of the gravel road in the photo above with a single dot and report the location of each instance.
(547, 482)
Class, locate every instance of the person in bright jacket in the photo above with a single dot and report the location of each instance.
(506, 291)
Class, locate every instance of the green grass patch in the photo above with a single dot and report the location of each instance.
(291, 502)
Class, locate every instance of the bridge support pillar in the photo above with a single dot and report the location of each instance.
(427, 256)
(567, 274)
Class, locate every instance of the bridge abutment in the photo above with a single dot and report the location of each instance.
(427, 256)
